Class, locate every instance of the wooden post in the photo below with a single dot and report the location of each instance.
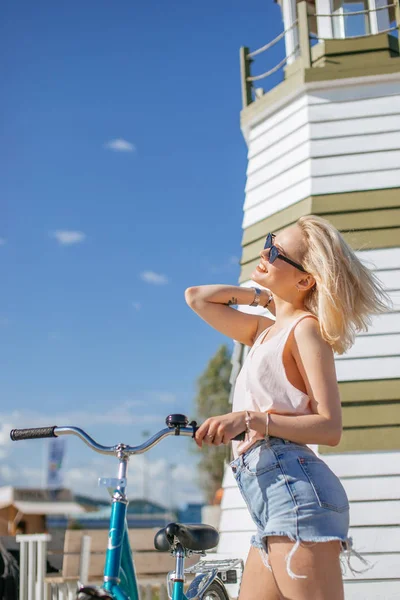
(163, 592)
(304, 34)
(245, 74)
(85, 559)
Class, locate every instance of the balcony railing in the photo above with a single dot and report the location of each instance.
(301, 43)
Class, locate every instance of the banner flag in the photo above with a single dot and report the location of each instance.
(55, 474)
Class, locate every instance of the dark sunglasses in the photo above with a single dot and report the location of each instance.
(274, 253)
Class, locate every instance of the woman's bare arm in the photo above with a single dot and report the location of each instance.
(213, 303)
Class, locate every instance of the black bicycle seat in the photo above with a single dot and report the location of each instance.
(192, 537)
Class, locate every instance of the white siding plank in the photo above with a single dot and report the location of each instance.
(375, 180)
(278, 201)
(357, 163)
(368, 368)
(276, 167)
(377, 345)
(278, 117)
(362, 464)
(360, 144)
(385, 512)
(275, 134)
(354, 93)
(372, 590)
(356, 127)
(390, 278)
(278, 149)
(380, 259)
(386, 323)
(358, 108)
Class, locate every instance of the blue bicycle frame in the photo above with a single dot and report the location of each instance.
(119, 570)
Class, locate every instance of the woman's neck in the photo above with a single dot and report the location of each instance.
(286, 311)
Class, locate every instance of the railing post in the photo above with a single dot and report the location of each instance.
(304, 34)
(85, 559)
(244, 75)
(33, 557)
(163, 592)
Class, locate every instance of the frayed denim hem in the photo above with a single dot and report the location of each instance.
(347, 551)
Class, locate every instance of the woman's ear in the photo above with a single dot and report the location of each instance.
(306, 283)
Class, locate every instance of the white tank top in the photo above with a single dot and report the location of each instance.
(262, 384)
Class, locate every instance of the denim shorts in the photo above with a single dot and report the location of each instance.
(291, 492)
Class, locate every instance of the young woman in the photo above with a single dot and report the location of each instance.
(286, 397)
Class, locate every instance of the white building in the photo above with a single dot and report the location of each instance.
(326, 141)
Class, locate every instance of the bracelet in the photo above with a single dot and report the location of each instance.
(269, 301)
(247, 421)
(267, 421)
(256, 299)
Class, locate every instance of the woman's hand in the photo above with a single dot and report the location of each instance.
(221, 429)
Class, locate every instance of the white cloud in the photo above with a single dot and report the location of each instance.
(154, 278)
(5, 429)
(136, 305)
(163, 397)
(124, 414)
(3, 241)
(120, 145)
(68, 238)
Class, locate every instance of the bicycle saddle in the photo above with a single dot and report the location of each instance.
(192, 537)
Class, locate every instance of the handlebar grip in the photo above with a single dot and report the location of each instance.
(33, 433)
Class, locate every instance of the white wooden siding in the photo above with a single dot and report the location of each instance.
(324, 142)
(368, 368)
(277, 117)
(276, 164)
(372, 483)
(381, 258)
(278, 147)
(354, 127)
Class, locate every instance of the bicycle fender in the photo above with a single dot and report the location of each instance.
(199, 585)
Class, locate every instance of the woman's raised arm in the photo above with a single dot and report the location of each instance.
(213, 303)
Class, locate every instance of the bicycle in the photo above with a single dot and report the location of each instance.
(119, 582)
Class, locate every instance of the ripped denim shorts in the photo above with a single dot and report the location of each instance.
(291, 492)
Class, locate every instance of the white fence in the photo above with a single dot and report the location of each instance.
(34, 585)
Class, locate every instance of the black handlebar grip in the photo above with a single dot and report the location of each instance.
(33, 433)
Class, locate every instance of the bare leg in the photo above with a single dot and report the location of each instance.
(319, 561)
(258, 581)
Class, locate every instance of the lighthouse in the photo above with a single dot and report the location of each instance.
(326, 141)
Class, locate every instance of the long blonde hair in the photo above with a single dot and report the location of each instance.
(346, 293)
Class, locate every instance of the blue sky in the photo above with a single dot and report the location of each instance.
(123, 170)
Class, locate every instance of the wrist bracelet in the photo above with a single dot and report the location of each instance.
(247, 421)
(268, 301)
(267, 422)
(256, 299)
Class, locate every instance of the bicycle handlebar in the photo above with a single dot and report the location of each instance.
(47, 432)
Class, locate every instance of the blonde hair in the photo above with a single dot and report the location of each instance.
(346, 293)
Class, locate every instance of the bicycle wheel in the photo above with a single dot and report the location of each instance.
(216, 591)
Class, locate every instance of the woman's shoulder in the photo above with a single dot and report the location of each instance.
(308, 329)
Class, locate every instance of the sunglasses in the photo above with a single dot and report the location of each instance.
(274, 253)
